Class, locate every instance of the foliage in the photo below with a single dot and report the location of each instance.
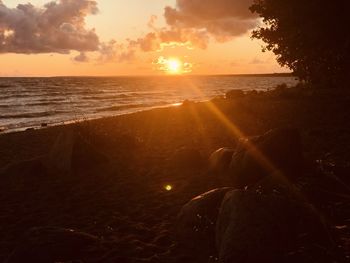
(310, 37)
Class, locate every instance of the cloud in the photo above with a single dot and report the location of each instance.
(112, 51)
(57, 27)
(222, 19)
(108, 52)
(82, 57)
(193, 23)
(156, 41)
(159, 38)
(209, 10)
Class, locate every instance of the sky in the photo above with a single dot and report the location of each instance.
(130, 37)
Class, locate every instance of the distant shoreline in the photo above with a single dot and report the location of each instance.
(161, 76)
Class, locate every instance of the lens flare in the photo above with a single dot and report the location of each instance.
(168, 187)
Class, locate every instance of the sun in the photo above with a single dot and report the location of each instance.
(174, 66)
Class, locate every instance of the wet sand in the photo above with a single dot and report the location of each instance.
(126, 203)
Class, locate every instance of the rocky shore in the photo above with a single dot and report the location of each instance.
(124, 189)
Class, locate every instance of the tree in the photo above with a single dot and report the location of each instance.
(311, 37)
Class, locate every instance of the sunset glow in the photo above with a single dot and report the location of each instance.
(112, 37)
(174, 130)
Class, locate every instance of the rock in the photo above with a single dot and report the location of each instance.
(187, 157)
(251, 93)
(187, 103)
(255, 227)
(234, 94)
(276, 184)
(43, 245)
(72, 152)
(278, 150)
(196, 220)
(220, 160)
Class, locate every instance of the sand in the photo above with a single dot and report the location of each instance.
(127, 204)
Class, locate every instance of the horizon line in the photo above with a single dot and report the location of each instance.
(136, 76)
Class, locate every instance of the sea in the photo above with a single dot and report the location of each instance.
(27, 103)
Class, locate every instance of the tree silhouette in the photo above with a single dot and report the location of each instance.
(310, 37)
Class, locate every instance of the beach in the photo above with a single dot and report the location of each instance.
(132, 203)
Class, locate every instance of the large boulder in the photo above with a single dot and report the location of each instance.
(43, 245)
(234, 94)
(72, 152)
(278, 150)
(196, 220)
(258, 227)
(277, 184)
(219, 161)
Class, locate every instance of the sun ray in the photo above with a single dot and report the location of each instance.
(236, 132)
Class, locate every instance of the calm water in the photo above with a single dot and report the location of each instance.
(29, 102)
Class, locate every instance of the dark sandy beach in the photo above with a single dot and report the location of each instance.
(126, 203)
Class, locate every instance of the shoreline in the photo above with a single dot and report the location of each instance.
(239, 105)
(73, 122)
(46, 125)
(91, 102)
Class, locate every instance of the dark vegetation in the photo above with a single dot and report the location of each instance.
(309, 37)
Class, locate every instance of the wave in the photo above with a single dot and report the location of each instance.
(28, 115)
(48, 103)
(52, 100)
(6, 106)
(6, 85)
(108, 97)
(27, 102)
(121, 107)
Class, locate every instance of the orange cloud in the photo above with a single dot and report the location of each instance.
(194, 22)
(159, 38)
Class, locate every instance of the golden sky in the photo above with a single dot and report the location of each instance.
(133, 37)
